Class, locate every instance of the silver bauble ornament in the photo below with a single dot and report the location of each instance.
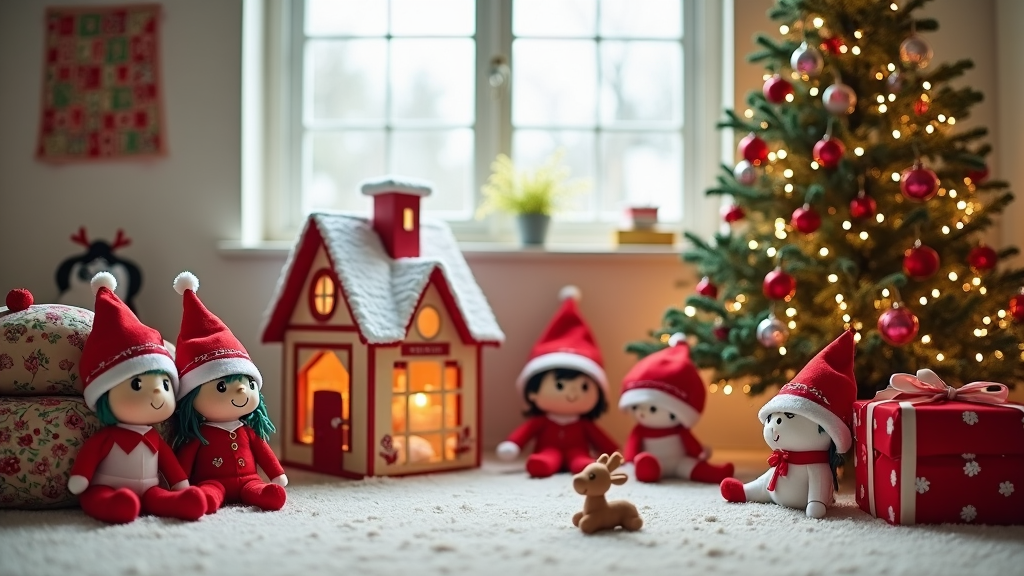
(914, 51)
(745, 173)
(771, 332)
(894, 82)
(807, 60)
(839, 98)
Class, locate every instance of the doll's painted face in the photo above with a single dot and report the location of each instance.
(574, 396)
(653, 416)
(226, 399)
(143, 399)
(788, 431)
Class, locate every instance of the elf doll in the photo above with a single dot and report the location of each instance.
(808, 426)
(665, 395)
(223, 426)
(565, 387)
(130, 380)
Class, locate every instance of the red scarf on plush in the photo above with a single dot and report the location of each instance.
(781, 459)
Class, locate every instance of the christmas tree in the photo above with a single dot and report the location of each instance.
(859, 204)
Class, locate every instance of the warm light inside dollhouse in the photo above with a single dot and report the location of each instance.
(323, 372)
(428, 322)
(426, 410)
(408, 219)
(324, 294)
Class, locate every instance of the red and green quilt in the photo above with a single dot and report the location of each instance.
(101, 84)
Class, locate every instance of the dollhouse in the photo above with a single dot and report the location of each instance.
(382, 326)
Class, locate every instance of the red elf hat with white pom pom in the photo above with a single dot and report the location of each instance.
(119, 346)
(823, 391)
(206, 348)
(669, 380)
(567, 342)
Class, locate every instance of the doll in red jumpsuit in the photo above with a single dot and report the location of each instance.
(223, 426)
(565, 387)
(130, 381)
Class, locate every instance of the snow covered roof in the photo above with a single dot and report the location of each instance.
(403, 184)
(382, 292)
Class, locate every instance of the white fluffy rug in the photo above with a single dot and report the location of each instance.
(496, 521)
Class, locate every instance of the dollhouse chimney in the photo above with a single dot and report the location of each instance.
(396, 212)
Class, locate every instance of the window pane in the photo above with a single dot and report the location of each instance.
(554, 82)
(641, 81)
(348, 17)
(432, 80)
(643, 19)
(433, 17)
(641, 169)
(530, 148)
(563, 18)
(444, 157)
(340, 160)
(348, 79)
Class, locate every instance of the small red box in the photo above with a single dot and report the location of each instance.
(939, 462)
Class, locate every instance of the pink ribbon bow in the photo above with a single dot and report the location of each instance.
(926, 386)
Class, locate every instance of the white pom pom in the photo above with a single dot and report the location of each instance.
(676, 339)
(186, 281)
(103, 280)
(568, 292)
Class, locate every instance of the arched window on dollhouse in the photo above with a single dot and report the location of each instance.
(323, 295)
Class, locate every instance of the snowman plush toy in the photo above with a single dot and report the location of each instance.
(808, 426)
(665, 395)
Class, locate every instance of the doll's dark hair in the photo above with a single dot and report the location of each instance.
(835, 460)
(189, 419)
(533, 384)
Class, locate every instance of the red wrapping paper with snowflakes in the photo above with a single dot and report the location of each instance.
(930, 454)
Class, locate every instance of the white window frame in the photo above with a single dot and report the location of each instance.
(272, 114)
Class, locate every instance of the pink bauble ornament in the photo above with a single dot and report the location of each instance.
(982, 258)
(772, 332)
(894, 82)
(734, 214)
(863, 206)
(829, 151)
(839, 99)
(1017, 307)
(776, 89)
(920, 262)
(745, 173)
(898, 326)
(706, 288)
(778, 285)
(753, 149)
(915, 52)
(806, 60)
(806, 219)
(919, 183)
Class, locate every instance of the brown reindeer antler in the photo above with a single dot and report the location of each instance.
(614, 461)
(602, 459)
(120, 241)
(80, 237)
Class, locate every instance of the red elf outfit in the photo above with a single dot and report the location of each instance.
(116, 472)
(561, 442)
(669, 382)
(224, 466)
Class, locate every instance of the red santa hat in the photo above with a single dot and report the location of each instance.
(119, 346)
(669, 380)
(823, 391)
(206, 348)
(567, 342)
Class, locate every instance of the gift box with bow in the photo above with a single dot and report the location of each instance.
(927, 453)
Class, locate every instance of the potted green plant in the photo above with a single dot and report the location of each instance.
(532, 196)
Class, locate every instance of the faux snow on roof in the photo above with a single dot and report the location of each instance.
(383, 292)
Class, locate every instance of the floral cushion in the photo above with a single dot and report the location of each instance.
(39, 439)
(40, 348)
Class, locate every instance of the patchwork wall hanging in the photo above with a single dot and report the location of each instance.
(101, 84)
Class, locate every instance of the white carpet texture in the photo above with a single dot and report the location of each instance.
(496, 521)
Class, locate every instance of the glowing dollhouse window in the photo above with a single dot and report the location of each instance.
(408, 220)
(426, 411)
(323, 372)
(323, 295)
(428, 323)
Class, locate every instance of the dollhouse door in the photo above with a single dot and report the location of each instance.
(328, 431)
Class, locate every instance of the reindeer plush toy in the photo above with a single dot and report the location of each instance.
(598, 513)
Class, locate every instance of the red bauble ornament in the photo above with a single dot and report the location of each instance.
(778, 285)
(753, 149)
(1017, 307)
(706, 288)
(982, 258)
(734, 214)
(776, 89)
(863, 206)
(721, 332)
(978, 176)
(919, 183)
(920, 262)
(806, 219)
(898, 326)
(920, 107)
(829, 151)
